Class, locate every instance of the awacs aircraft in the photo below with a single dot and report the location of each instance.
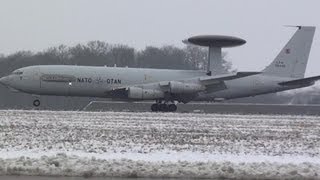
(167, 87)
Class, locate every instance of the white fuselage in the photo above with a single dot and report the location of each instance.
(63, 80)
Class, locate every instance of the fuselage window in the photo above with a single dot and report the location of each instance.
(58, 78)
(17, 72)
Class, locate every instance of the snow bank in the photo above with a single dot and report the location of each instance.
(64, 165)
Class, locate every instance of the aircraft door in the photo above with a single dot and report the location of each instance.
(30, 78)
(37, 77)
(257, 85)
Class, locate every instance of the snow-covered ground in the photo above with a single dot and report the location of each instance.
(126, 144)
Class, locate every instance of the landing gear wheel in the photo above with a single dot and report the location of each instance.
(172, 107)
(163, 107)
(36, 103)
(154, 107)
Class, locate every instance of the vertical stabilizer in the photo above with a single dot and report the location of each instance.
(293, 58)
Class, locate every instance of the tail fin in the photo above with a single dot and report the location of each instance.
(292, 59)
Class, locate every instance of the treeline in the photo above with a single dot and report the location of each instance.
(98, 53)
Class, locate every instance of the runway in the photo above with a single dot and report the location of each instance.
(195, 107)
(169, 145)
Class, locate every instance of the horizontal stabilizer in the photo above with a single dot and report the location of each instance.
(216, 79)
(303, 81)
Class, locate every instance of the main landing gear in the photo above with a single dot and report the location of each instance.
(163, 107)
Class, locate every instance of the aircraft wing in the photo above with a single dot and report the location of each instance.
(189, 86)
(209, 80)
(302, 81)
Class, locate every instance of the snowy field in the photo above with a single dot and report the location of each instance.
(125, 144)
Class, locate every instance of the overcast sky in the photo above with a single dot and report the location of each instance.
(38, 24)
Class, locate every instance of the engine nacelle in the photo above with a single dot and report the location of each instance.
(184, 88)
(145, 94)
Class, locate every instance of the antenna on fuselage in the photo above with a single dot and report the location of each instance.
(215, 44)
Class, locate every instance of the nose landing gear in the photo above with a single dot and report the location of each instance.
(36, 102)
(163, 107)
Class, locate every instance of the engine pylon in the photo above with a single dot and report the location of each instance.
(215, 44)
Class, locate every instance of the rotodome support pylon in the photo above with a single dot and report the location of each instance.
(215, 44)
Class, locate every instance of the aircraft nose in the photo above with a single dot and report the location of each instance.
(4, 80)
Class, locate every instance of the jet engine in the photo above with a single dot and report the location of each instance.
(145, 94)
(184, 88)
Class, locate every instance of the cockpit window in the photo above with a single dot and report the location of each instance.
(17, 72)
